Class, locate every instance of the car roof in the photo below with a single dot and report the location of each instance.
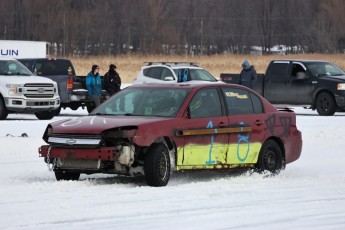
(173, 65)
(184, 85)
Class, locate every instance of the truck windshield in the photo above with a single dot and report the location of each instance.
(320, 69)
(13, 67)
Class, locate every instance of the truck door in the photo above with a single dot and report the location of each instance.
(301, 84)
(278, 86)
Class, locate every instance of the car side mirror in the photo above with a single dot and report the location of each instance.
(169, 78)
(301, 76)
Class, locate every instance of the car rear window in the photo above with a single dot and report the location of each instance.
(53, 67)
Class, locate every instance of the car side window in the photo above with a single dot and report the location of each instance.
(167, 73)
(205, 103)
(257, 105)
(238, 101)
(156, 73)
(297, 68)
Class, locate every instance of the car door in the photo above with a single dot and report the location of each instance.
(247, 124)
(205, 145)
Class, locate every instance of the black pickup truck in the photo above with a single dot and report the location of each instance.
(72, 89)
(312, 84)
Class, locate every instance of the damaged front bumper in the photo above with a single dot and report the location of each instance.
(105, 159)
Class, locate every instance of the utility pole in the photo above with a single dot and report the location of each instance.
(201, 34)
(64, 33)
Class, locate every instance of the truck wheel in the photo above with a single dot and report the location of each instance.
(3, 110)
(64, 175)
(270, 157)
(45, 115)
(90, 108)
(325, 104)
(57, 111)
(157, 165)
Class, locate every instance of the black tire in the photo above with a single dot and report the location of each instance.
(157, 166)
(45, 115)
(57, 111)
(325, 104)
(90, 108)
(65, 175)
(270, 157)
(3, 110)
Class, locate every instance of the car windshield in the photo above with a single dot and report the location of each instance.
(198, 74)
(164, 102)
(13, 67)
(320, 69)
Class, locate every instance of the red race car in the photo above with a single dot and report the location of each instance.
(153, 130)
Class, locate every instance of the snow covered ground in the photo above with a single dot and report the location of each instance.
(308, 194)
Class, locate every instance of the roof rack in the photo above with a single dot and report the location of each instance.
(171, 63)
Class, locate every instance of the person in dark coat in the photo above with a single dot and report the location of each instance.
(248, 75)
(112, 80)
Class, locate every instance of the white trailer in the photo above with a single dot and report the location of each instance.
(23, 49)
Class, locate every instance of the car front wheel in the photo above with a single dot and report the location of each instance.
(157, 165)
(65, 175)
(270, 157)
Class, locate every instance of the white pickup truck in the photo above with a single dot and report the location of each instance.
(22, 92)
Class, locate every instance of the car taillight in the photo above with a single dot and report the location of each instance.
(70, 85)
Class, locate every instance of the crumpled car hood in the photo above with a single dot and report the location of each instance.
(97, 124)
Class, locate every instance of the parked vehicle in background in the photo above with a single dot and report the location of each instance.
(22, 92)
(72, 88)
(312, 84)
(153, 129)
(167, 72)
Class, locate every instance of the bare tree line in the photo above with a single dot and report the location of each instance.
(112, 27)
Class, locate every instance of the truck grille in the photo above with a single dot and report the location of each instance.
(39, 95)
(39, 90)
(38, 85)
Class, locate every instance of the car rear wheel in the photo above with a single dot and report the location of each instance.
(325, 104)
(65, 175)
(157, 165)
(270, 157)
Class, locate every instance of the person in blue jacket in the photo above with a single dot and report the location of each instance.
(94, 85)
(248, 75)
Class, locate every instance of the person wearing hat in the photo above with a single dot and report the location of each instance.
(248, 75)
(112, 80)
(94, 85)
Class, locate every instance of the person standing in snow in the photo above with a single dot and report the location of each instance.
(112, 80)
(94, 84)
(248, 75)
